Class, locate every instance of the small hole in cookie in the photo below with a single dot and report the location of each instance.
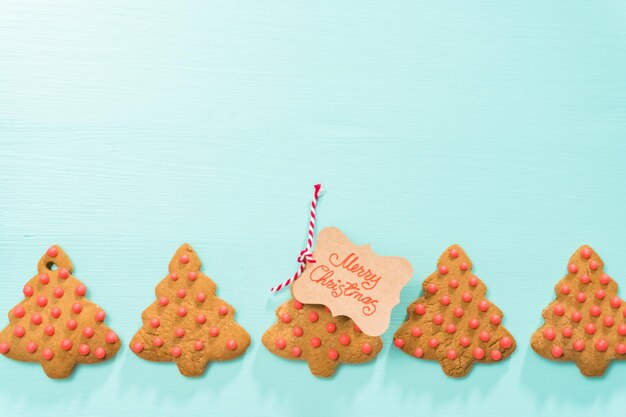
(51, 266)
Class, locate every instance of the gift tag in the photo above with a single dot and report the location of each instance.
(353, 281)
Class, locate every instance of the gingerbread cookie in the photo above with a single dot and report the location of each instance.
(586, 323)
(55, 324)
(188, 324)
(453, 322)
(310, 332)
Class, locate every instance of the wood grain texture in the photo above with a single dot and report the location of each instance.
(128, 128)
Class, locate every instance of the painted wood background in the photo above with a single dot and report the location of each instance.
(127, 128)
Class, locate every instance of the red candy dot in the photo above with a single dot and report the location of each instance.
(297, 305)
(478, 353)
(64, 273)
(590, 328)
(179, 332)
(4, 348)
(154, 322)
(19, 312)
(297, 331)
(366, 348)
(443, 270)
(567, 332)
(451, 354)
(595, 311)
(496, 355)
(506, 342)
(431, 288)
(296, 352)
(331, 327)
(181, 293)
(483, 305)
(28, 291)
(66, 344)
(450, 328)
(184, 259)
(484, 336)
(281, 343)
(42, 301)
(572, 268)
(433, 343)
(464, 341)
(549, 334)
(52, 251)
(222, 311)
(110, 337)
(44, 279)
(593, 265)
(344, 339)
(419, 352)
(600, 294)
(72, 324)
(49, 330)
(604, 279)
(313, 317)
(36, 319)
(585, 252)
(84, 349)
(467, 297)
(495, 319)
(214, 332)
(458, 312)
(31, 347)
(473, 281)
(137, 347)
(100, 353)
(616, 302)
(333, 355)
(198, 345)
(81, 290)
(55, 312)
(58, 292)
(579, 345)
(621, 329)
(585, 279)
(420, 309)
(164, 301)
(581, 297)
(608, 321)
(356, 328)
(620, 349)
(444, 300)
(438, 319)
(77, 308)
(100, 316)
(558, 310)
(88, 332)
(565, 289)
(285, 318)
(601, 345)
(399, 343)
(158, 342)
(182, 312)
(200, 297)
(463, 266)
(192, 276)
(557, 351)
(453, 283)
(416, 332)
(576, 316)
(474, 323)
(200, 318)
(454, 253)
(315, 342)
(174, 276)
(176, 351)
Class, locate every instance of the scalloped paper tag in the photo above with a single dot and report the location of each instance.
(353, 281)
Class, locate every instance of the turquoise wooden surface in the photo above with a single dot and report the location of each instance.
(127, 128)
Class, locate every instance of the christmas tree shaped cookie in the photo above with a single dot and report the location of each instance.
(585, 324)
(188, 324)
(310, 333)
(453, 322)
(55, 324)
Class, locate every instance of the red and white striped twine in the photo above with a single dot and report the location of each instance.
(306, 256)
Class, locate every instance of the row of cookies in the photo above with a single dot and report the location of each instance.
(452, 322)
